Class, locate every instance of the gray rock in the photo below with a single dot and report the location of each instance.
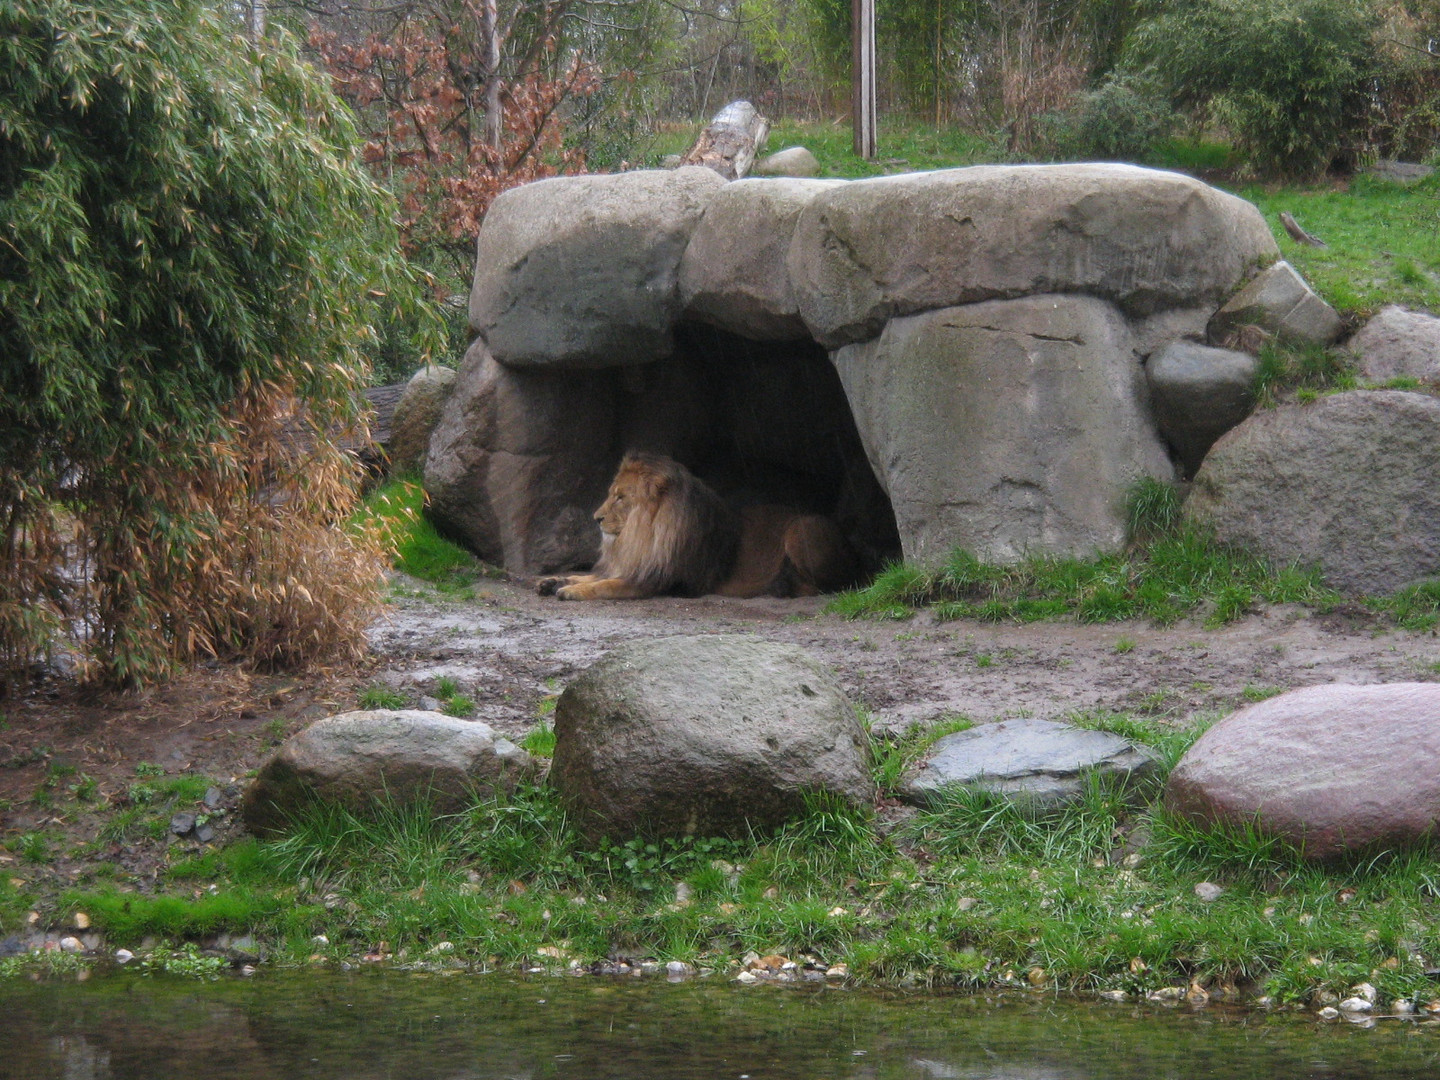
(182, 824)
(415, 417)
(1007, 428)
(580, 271)
(1346, 483)
(1209, 892)
(404, 756)
(733, 274)
(1279, 302)
(1398, 343)
(213, 798)
(1039, 761)
(519, 460)
(1400, 172)
(704, 736)
(873, 249)
(1334, 768)
(1198, 394)
(792, 161)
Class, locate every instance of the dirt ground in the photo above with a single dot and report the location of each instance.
(510, 650)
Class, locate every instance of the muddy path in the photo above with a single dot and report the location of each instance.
(511, 648)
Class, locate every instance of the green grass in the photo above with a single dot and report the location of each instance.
(1183, 574)
(1383, 241)
(541, 740)
(382, 697)
(420, 551)
(974, 892)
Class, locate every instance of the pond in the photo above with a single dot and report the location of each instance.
(370, 1024)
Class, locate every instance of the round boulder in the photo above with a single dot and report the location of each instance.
(1332, 769)
(704, 736)
(1199, 393)
(1398, 343)
(357, 759)
(416, 415)
(1346, 483)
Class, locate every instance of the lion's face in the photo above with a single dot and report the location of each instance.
(633, 488)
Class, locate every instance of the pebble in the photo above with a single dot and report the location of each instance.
(182, 823)
(71, 945)
(1209, 892)
(837, 971)
(1166, 993)
(123, 956)
(965, 903)
(1403, 1007)
(747, 977)
(678, 969)
(1356, 1004)
(1329, 1012)
(684, 892)
(1366, 991)
(320, 939)
(1114, 995)
(82, 921)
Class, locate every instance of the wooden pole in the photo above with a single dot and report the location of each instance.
(862, 76)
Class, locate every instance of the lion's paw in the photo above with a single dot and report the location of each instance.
(548, 586)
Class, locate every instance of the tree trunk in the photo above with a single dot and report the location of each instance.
(489, 14)
(732, 140)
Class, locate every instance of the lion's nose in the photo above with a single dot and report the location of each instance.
(600, 514)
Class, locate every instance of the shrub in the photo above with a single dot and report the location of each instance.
(190, 257)
(1124, 119)
(1288, 78)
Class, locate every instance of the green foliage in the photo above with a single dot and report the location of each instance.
(187, 242)
(895, 754)
(1124, 119)
(1287, 78)
(382, 697)
(397, 510)
(540, 741)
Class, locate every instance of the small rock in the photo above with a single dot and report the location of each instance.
(204, 833)
(1365, 990)
(684, 892)
(1209, 892)
(1402, 1007)
(678, 969)
(1166, 993)
(966, 903)
(320, 939)
(1114, 995)
(1329, 1012)
(1037, 977)
(82, 921)
(1197, 995)
(792, 161)
(837, 971)
(837, 912)
(1400, 172)
(747, 977)
(123, 956)
(649, 967)
(182, 824)
(443, 947)
(1280, 302)
(213, 797)
(71, 945)
(1356, 1004)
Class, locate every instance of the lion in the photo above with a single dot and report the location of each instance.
(663, 530)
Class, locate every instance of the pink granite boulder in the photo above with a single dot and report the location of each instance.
(1334, 769)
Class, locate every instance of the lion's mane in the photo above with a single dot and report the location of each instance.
(678, 536)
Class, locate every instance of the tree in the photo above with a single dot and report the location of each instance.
(191, 257)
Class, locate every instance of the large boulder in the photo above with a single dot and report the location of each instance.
(733, 274)
(416, 415)
(792, 161)
(1198, 394)
(1398, 343)
(704, 736)
(580, 271)
(519, 460)
(360, 759)
(1006, 428)
(1036, 762)
(1346, 483)
(1281, 304)
(870, 250)
(1334, 769)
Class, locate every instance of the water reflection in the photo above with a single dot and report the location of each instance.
(374, 1025)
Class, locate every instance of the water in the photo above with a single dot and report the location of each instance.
(372, 1025)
